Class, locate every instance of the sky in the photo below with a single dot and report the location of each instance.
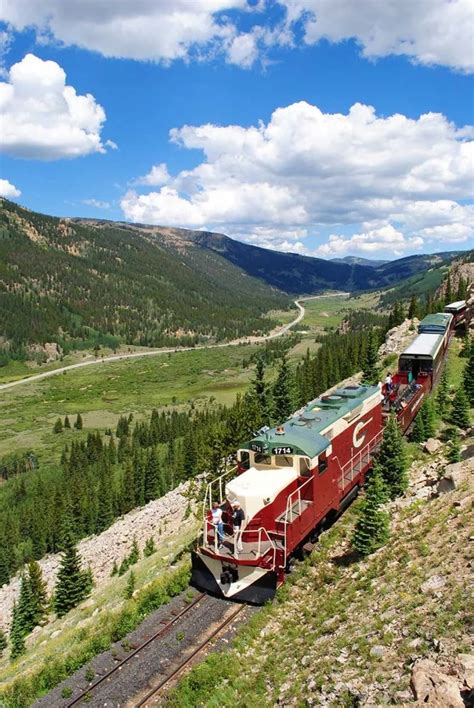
(321, 127)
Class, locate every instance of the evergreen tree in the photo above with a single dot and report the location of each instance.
(134, 553)
(67, 424)
(259, 390)
(442, 395)
(465, 352)
(25, 607)
(461, 293)
(371, 372)
(460, 412)
(150, 547)
(3, 642)
(152, 478)
(17, 634)
(4, 567)
(468, 377)
(392, 459)
(124, 566)
(454, 449)
(429, 418)
(418, 433)
(73, 582)
(449, 291)
(130, 588)
(114, 570)
(78, 424)
(39, 595)
(58, 426)
(372, 526)
(413, 310)
(283, 392)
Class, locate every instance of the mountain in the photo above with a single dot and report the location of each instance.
(81, 282)
(358, 260)
(77, 283)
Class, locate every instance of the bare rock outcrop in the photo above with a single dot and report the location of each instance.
(431, 686)
(398, 338)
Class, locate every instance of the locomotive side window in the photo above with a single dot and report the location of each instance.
(244, 460)
(305, 470)
(323, 463)
(283, 461)
(261, 459)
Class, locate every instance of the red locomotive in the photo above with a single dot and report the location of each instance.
(293, 479)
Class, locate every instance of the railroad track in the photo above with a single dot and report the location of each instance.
(153, 693)
(87, 693)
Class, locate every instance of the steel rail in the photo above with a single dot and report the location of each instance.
(162, 631)
(188, 659)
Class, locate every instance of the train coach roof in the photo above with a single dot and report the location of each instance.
(302, 432)
(455, 306)
(437, 322)
(425, 344)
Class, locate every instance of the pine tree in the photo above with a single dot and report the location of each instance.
(465, 352)
(4, 567)
(134, 553)
(372, 526)
(449, 292)
(429, 418)
(3, 642)
(152, 477)
(124, 566)
(468, 377)
(114, 570)
(39, 595)
(78, 424)
(413, 310)
(454, 449)
(259, 390)
(283, 392)
(461, 293)
(72, 582)
(442, 395)
(25, 607)
(418, 433)
(130, 588)
(67, 424)
(17, 634)
(150, 547)
(371, 372)
(58, 426)
(392, 459)
(460, 412)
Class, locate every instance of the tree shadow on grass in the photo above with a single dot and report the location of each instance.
(345, 560)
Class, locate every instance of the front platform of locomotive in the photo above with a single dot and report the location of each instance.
(248, 564)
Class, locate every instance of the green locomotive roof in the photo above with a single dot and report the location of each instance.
(437, 322)
(302, 432)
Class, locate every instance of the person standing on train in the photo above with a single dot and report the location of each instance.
(388, 383)
(238, 518)
(217, 522)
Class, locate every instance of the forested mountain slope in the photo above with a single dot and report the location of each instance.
(72, 282)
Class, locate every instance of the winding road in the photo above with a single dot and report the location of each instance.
(159, 352)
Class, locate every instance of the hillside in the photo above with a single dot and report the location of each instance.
(74, 283)
(84, 282)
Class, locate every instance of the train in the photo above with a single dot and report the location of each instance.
(294, 479)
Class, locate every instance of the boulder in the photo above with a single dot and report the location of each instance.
(433, 687)
(454, 475)
(432, 445)
(433, 584)
(465, 663)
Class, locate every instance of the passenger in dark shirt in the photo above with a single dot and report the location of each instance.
(238, 518)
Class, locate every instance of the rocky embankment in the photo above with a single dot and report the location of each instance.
(159, 519)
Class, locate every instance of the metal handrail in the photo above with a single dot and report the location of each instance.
(261, 530)
(358, 456)
(207, 503)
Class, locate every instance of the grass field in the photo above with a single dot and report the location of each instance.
(101, 393)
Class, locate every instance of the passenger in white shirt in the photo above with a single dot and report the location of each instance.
(216, 512)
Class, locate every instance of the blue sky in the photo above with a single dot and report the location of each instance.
(324, 128)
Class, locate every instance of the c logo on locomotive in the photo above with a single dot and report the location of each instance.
(356, 440)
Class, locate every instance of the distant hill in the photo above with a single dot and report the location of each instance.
(78, 283)
(358, 260)
(84, 281)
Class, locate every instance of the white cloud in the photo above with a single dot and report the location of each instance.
(45, 119)
(8, 190)
(157, 30)
(96, 203)
(383, 239)
(157, 176)
(305, 169)
(428, 31)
